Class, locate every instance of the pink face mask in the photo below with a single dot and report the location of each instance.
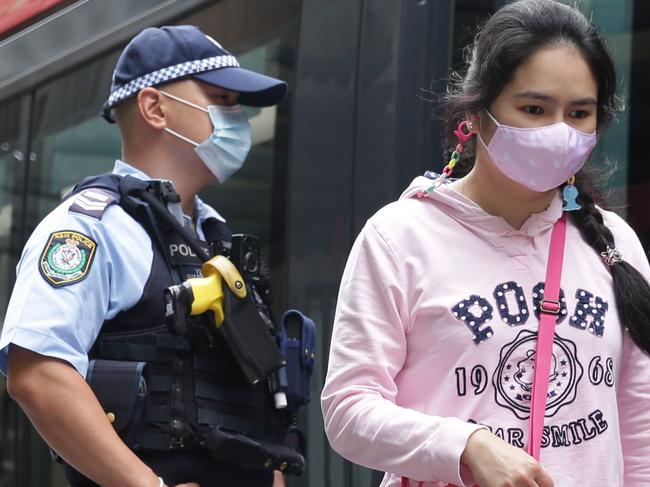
(540, 158)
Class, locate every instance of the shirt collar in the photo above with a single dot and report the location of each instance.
(122, 168)
(203, 211)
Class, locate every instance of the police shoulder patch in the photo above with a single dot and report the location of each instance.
(67, 258)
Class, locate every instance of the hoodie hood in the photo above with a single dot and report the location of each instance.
(472, 216)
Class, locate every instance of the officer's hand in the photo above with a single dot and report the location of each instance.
(495, 463)
(191, 484)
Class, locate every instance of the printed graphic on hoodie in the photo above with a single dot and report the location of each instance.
(477, 313)
(512, 378)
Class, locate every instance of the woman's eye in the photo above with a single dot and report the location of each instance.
(579, 113)
(533, 110)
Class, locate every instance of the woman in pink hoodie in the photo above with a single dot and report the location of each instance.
(433, 350)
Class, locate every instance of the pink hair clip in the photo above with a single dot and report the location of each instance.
(460, 133)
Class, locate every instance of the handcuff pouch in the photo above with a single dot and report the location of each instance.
(121, 390)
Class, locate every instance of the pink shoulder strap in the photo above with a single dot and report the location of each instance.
(549, 310)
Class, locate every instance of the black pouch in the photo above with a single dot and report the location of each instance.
(231, 447)
(248, 338)
(121, 390)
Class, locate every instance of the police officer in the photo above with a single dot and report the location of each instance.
(97, 263)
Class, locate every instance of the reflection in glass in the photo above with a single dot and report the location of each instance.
(11, 163)
(12, 167)
(7, 170)
(70, 140)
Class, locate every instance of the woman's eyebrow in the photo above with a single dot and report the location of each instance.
(536, 95)
(584, 101)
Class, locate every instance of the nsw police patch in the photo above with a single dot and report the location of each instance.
(66, 258)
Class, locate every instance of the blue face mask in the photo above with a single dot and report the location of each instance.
(225, 151)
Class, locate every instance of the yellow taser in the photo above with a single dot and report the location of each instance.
(208, 290)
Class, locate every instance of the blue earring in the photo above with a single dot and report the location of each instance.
(570, 193)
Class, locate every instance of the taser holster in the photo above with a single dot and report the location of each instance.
(223, 292)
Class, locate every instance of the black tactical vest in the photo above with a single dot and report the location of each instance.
(191, 381)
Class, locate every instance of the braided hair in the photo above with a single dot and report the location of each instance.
(631, 290)
(503, 43)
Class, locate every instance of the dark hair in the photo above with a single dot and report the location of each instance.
(504, 42)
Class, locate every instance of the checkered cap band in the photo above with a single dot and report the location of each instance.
(170, 73)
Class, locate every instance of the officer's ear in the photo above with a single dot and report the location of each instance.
(150, 106)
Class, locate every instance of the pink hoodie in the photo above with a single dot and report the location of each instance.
(434, 335)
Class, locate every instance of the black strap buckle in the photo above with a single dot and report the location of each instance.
(167, 192)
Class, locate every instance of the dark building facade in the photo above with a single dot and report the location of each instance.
(360, 122)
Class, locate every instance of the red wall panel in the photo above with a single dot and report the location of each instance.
(15, 12)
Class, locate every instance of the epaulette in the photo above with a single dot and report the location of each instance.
(93, 202)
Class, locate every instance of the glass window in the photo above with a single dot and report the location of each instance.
(70, 141)
(13, 165)
(639, 110)
(614, 21)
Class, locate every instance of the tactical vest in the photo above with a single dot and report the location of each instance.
(191, 381)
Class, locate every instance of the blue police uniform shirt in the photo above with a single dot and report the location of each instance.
(63, 321)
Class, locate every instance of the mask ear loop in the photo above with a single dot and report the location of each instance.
(463, 134)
